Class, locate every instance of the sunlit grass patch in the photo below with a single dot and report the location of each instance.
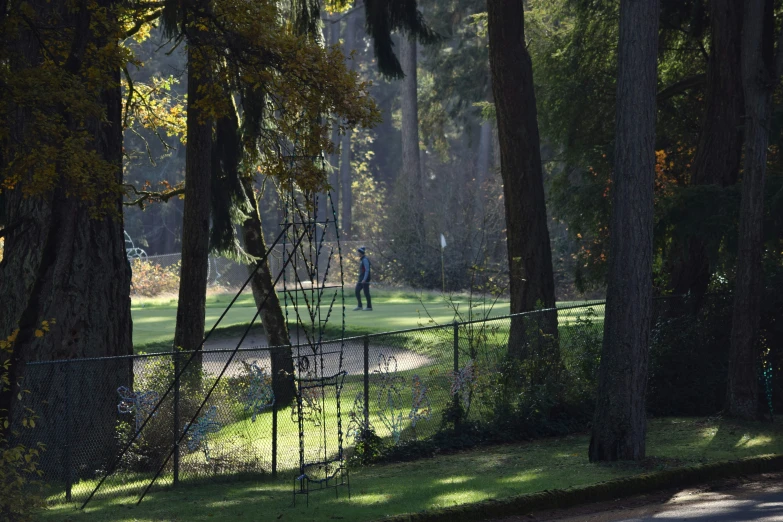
(446, 480)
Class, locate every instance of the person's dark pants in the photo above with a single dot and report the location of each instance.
(366, 287)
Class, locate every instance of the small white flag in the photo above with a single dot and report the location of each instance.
(442, 241)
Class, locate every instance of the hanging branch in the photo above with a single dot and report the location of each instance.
(151, 196)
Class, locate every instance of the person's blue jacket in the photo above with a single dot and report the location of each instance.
(364, 270)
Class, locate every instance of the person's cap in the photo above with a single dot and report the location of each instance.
(361, 250)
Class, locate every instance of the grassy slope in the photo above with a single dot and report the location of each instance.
(153, 319)
(493, 472)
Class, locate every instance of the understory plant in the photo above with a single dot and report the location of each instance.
(20, 495)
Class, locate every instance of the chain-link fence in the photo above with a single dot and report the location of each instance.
(405, 385)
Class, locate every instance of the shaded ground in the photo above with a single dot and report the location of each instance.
(757, 498)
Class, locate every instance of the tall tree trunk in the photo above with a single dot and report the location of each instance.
(759, 78)
(345, 181)
(411, 158)
(345, 147)
(620, 425)
(66, 265)
(719, 149)
(189, 330)
(332, 208)
(272, 317)
(531, 281)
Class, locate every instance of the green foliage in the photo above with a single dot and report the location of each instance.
(369, 448)
(20, 494)
(368, 192)
(53, 98)
(573, 46)
(154, 443)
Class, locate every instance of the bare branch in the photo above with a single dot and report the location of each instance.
(683, 85)
(151, 195)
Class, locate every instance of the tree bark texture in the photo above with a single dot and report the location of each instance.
(272, 317)
(619, 425)
(67, 266)
(759, 77)
(345, 182)
(189, 330)
(345, 148)
(411, 159)
(719, 148)
(334, 158)
(531, 281)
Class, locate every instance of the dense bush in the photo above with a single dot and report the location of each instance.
(154, 443)
(150, 279)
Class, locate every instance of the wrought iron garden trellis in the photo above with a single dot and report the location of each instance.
(312, 299)
(302, 237)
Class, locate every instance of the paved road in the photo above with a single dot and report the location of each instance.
(758, 498)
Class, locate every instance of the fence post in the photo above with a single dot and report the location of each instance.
(456, 347)
(274, 440)
(176, 415)
(456, 372)
(366, 382)
(272, 356)
(67, 448)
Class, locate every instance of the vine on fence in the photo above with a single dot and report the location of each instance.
(390, 386)
(260, 394)
(356, 424)
(421, 409)
(462, 383)
(197, 434)
(140, 403)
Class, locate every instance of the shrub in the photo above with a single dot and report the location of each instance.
(150, 279)
(19, 485)
(154, 443)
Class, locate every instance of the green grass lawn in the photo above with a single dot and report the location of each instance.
(485, 473)
(154, 318)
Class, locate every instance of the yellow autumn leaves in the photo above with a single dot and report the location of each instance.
(7, 344)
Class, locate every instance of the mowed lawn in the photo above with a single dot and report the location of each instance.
(154, 318)
(447, 480)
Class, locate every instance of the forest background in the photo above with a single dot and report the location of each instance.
(573, 46)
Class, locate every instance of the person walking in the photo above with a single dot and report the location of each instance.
(364, 281)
